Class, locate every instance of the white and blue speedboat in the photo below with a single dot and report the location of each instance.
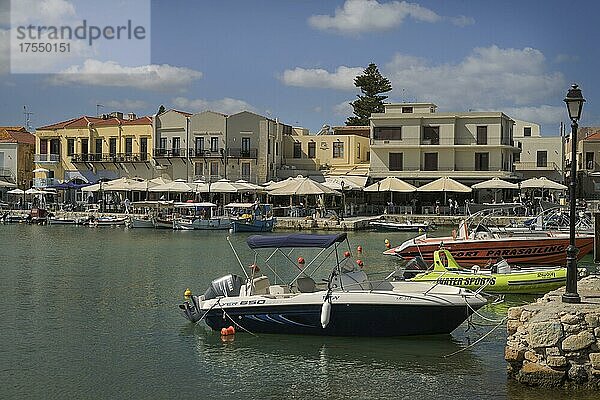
(347, 303)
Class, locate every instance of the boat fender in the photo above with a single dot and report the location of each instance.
(325, 313)
(360, 263)
(187, 293)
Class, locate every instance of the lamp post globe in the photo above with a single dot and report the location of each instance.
(574, 101)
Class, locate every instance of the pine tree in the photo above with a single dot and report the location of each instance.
(371, 84)
(161, 109)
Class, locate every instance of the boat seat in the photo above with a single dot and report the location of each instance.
(306, 285)
(260, 285)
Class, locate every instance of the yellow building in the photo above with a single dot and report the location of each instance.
(91, 148)
(345, 151)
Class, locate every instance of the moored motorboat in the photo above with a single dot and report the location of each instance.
(199, 216)
(347, 303)
(406, 226)
(500, 278)
(140, 222)
(108, 221)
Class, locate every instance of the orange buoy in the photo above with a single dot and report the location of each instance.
(359, 249)
(346, 254)
(223, 331)
(300, 260)
(360, 263)
(230, 330)
(388, 245)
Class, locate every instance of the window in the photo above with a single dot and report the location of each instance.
(176, 146)
(43, 146)
(297, 150)
(269, 146)
(246, 171)
(143, 149)
(199, 146)
(589, 160)
(407, 110)
(199, 169)
(542, 158)
(482, 161)
(358, 150)
(70, 146)
(517, 156)
(98, 148)
(431, 135)
(163, 144)
(482, 135)
(276, 148)
(312, 149)
(387, 133)
(338, 149)
(84, 148)
(214, 144)
(112, 147)
(527, 131)
(246, 146)
(128, 146)
(54, 146)
(214, 169)
(430, 161)
(395, 161)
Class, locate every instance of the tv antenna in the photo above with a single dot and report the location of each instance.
(28, 115)
(98, 109)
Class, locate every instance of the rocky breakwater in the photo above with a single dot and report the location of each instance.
(555, 344)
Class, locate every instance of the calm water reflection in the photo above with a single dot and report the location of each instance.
(91, 313)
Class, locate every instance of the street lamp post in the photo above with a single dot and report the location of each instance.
(574, 102)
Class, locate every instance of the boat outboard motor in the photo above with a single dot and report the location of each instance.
(226, 286)
(414, 267)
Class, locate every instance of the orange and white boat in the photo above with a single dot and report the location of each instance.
(482, 246)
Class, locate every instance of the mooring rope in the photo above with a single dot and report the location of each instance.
(211, 307)
(235, 323)
(477, 341)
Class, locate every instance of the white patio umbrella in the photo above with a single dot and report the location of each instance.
(15, 191)
(495, 183)
(4, 184)
(302, 186)
(542, 183)
(91, 188)
(343, 183)
(391, 184)
(246, 186)
(173, 187)
(40, 169)
(223, 186)
(279, 184)
(445, 184)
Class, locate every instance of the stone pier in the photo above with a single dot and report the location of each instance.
(555, 344)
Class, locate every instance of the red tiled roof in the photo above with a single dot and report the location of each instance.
(83, 121)
(9, 134)
(589, 133)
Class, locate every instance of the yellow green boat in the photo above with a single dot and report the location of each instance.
(500, 279)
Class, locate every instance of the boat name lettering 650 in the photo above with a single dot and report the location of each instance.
(478, 281)
(243, 303)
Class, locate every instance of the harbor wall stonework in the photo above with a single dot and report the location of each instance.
(555, 344)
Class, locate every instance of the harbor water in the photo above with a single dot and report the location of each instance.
(92, 313)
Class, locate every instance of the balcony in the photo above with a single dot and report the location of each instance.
(201, 153)
(242, 153)
(107, 157)
(533, 166)
(45, 182)
(46, 158)
(170, 153)
(6, 172)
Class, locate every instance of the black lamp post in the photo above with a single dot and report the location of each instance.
(574, 102)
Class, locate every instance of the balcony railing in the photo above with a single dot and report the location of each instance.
(170, 153)
(46, 158)
(532, 166)
(242, 153)
(107, 157)
(6, 172)
(203, 153)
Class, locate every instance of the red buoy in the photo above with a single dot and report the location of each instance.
(223, 331)
(230, 330)
(300, 260)
(360, 263)
(346, 254)
(359, 249)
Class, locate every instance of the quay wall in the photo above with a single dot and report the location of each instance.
(555, 344)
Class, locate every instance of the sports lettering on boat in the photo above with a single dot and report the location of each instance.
(475, 281)
(525, 251)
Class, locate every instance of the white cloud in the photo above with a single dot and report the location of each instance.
(462, 20)
(145, 77)
(343, 109)
(4, 51)
(51, 12)
(543, 114)
(489, 77)
(225, 105)
(126, 105)
(342, 78)
(357, 16)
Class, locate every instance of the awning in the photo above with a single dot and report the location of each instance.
(294, 240)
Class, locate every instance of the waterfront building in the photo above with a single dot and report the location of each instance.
(172, 139)
(91, 148)
(413, 142)
(17, 147)
(342, 150)
(539, 156)
(588, 168)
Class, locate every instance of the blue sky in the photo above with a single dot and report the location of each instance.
(296, 60)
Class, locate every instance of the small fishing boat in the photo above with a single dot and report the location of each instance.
(140, 222)
(251, 217)
(162, 222)
(500, 278)
(15, 218)
(346, 303)
(199, 216)
(406, 226)
(67, 220)
(108, 221)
